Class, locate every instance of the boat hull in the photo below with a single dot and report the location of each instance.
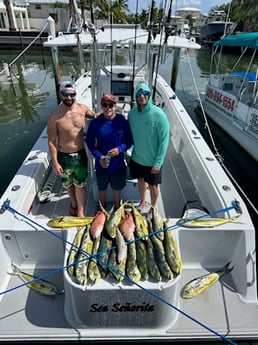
(237, 119)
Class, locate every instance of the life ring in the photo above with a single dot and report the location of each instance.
(192, 40)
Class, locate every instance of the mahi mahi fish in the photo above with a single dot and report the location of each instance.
(199, 284)
(205, 222)
(68, 221)
(39, 285)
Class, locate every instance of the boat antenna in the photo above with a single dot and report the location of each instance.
(134, 55)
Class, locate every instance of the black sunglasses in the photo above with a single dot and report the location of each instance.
(67, 94)
(110, 105)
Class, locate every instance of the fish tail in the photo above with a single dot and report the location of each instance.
(225, 269)
(234, 220)
(15, 270)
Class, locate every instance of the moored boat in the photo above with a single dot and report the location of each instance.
(199, 205)
(216, 26)
(231, 96)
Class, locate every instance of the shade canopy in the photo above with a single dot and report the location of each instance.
(248, 39)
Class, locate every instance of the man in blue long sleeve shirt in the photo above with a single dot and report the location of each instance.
(109, 135)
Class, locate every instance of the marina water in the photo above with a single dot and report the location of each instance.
(27, 96)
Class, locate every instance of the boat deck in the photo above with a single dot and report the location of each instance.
(29, 316)
(171, 204)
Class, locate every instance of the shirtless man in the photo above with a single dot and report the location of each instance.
(66, 145)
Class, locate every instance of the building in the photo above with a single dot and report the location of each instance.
(192, 17)
(32, 14)
(19, 13)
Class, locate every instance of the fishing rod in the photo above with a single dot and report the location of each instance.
(134, 55)
(94, 58)
(167, 23)
(111, 48)
(159, 52)
(149, 67)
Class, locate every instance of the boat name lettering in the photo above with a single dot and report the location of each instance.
(217, 97)
(127, 307)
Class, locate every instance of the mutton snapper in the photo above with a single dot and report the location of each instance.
(199, 284)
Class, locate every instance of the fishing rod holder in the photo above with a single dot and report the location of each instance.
(237, 206)
(5, 206)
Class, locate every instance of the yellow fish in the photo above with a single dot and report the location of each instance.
(68, 221)
(205, 222)
(199, 284)
(39, 285)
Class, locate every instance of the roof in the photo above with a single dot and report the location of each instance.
(46, 1)
(121, 34)
(188, 9)
(248, 39)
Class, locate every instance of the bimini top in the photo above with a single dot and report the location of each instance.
(248, 39)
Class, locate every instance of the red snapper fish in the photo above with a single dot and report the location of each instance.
(127, 225)
(97, 225)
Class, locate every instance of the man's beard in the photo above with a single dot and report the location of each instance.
(68, 103)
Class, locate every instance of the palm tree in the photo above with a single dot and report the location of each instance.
(7, 4)
(118, 9)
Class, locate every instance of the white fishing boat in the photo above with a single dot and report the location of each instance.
(231, 98)
(215, 27)
(214, 229)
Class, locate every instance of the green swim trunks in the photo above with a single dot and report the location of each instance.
(75, 166)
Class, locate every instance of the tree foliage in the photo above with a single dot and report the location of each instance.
(243, 12)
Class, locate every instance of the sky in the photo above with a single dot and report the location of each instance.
(203, 5)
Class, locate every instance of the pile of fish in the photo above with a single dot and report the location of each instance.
(125, 245)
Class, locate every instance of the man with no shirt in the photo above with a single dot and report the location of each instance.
(66, 145)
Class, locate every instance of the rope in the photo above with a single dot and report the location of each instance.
(29, 45)
(235, 205)
(203, 112)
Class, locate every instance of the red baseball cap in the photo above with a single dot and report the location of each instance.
(108, 98)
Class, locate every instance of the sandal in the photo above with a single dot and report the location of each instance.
(73, 211)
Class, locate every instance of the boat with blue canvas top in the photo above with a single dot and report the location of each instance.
(231, 98)
(205, 225)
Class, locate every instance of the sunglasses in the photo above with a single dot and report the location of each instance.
(66, 94)
(105, 105)
(142, 92)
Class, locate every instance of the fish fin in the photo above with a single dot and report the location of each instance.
(228, 268)
(103, 208)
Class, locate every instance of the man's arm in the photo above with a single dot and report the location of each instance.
(52, 142)
(89, 114)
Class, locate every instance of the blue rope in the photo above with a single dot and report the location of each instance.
(95, 255)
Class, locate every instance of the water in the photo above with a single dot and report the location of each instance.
(27, 96)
